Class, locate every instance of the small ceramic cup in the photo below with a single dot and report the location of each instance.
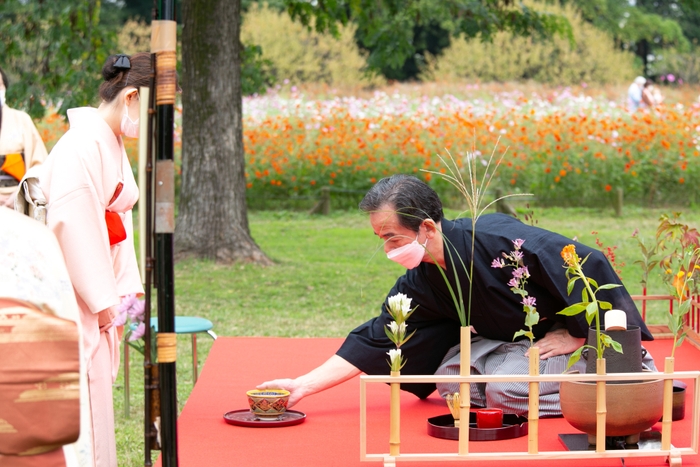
(268, 404)
(489, 418)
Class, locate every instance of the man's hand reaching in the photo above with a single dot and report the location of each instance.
(291, 385)
(334, 371)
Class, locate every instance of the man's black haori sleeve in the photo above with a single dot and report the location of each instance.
(437, 330)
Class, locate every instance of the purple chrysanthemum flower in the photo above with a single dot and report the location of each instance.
(137, 310)
(130, 307)
(138, 332)
(127, 302)
(120, 320)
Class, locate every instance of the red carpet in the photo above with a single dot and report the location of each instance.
(331, 433)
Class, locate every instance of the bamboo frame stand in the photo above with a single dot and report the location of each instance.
(395, 417)
(692, 319)
(668, 405)
(533, 412)
(464, 391)
(601, 409)
(672, 454)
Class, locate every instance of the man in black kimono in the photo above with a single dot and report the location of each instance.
(407, 214)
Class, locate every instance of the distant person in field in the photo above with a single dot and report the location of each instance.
(407, 215)
(21, 147)
(651, 96)
(634, 93)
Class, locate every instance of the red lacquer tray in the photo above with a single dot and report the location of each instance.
(244, 417)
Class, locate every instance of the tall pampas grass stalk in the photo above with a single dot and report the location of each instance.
(474, 191)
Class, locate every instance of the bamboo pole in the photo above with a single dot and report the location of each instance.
(533, 415)
(465, 351)
(151, 392)
(395, 418)
(668, 406)
(600, 408)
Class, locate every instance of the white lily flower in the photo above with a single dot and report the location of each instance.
(394, 354)
(393, 327)
(400, 305)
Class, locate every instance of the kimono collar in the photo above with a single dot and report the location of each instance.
(86, 119)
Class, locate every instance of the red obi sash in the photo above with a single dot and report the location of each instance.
(115, 226)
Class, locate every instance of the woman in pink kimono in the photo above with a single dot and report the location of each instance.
(90, 190)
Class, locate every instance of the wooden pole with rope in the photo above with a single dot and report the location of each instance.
(164, 49)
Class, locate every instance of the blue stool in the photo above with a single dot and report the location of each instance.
(190, 325)
(183, 325)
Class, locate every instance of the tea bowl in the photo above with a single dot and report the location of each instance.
(268, 404)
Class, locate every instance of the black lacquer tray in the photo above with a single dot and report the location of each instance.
(442, 426)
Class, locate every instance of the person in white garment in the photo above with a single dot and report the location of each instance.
(21, 146)
(634, 93)
(34, 284)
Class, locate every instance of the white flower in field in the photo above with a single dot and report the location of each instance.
(399, 305)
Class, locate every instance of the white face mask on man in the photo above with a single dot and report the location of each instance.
(409, 255)
(129, 127)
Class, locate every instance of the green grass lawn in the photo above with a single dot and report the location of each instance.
(330, 275)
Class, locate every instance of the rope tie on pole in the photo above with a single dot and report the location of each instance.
(167, 347)
(164, 45)
(166, 77)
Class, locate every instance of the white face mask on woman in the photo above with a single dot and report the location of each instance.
(409, 255)
(129, 127)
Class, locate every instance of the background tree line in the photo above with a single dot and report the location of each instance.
(53, 51)
(648, 37)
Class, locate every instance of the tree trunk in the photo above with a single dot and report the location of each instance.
(213, 220)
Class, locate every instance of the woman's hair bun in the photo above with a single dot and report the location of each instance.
(109, 71)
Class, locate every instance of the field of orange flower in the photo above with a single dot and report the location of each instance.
(565, 146)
